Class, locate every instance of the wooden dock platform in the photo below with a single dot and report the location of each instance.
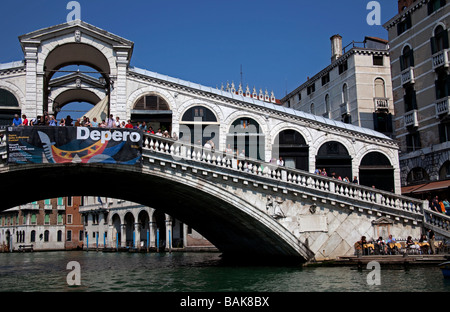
(391, 260)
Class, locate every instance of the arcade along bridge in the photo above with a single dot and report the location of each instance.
(243, 206)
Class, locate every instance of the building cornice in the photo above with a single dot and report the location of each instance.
(399, 17)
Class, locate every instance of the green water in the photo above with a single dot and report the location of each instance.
(197, 272)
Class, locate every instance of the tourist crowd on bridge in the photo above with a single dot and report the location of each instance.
(111, 122)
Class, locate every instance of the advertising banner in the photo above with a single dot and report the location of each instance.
(27, 145)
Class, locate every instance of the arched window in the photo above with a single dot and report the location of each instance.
(198, 125)
(9, 106)
(334, 158)
(246, 137)
(292, 147)
(376, 170)
(380, 90)
(46, 235)
(444, 172)
(327, 105)
(440, 40)
(344, 93)
(407, 58)
(417, 175)
(154, 111)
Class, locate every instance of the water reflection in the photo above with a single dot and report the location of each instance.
(197, 272)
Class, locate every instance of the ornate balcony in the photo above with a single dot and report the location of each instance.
(411, 119)
(407, 76)
(440, 59)
(381, 104)
(443, 106)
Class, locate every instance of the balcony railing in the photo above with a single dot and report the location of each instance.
(381, 104)
(407, 76)
(440, 59)
(443, 106)
(411, 119)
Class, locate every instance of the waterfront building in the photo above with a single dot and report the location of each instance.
(114, 223)
(418, 39)
(355, 88)
(74, 223)
(40, 223)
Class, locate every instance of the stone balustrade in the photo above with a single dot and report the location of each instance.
(437, 221)
(361, 195)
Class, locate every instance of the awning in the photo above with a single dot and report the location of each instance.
(426, 187)
(100, 111)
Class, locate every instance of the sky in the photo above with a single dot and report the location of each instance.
(278, 44)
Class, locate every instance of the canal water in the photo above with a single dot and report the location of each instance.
(197, 272)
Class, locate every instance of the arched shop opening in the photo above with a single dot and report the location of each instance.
(154, 111)
(199, 125)
(292, 147)
(117, 231)
(246, 138)
(9, 106)
(334, 158)
(129, 229)
(376, 170)
(143, 220)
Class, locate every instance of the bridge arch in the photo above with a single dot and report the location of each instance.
(228, 221)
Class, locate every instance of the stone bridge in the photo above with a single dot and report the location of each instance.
(245, 207)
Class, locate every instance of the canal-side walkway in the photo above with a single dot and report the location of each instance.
(400, 260)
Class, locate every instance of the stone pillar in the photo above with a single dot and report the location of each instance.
(137, 235)
(123, 235)
(31, 107)
(119, 94)
(152, 229)
(169, 232)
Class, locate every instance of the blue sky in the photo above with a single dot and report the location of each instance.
(278, 43)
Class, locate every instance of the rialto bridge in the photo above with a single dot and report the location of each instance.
(239, 199)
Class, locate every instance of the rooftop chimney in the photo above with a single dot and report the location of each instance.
(336, 47)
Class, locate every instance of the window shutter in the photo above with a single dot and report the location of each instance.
(402, 63)
(433, 45)
(445, 38)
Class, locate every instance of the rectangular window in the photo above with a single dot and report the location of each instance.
(435, 5)
(60, 201)
(69, 236)
(325, 79)
(81, 236)
(69, 201)
(47, 219)
(378, 60)
(404, 25)
(413, 142)
(311, 89)
(33, 219)
(69, 219)
(444, 132)
(410, 99)
(343, 67)
(60, 219)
